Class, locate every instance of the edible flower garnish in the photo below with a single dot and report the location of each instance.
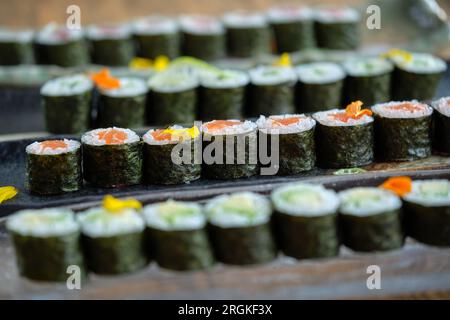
(159, 64)
(7, 193)
(283, 61)
(404, 55)
(115, 205)
(176, 134)
(104, 80)
(399, 185)
(353, 111)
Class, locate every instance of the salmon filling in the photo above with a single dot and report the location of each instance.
(220, 124)
(53, 144)
(408, 107)
(112, 136)
(285, 121)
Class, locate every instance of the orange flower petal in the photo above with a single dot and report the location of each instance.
(399, 185)
(354, 107)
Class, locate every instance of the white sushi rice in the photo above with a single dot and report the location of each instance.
(244, 127)
(442, 105)
(422, 63)
(319, 72)
(148, 137)
(108, 32)
(129, 87)
(169, 82)
(386, 110)
(330, 14)
(39, 149)
(91, 137)
(224, 79)
(67, 86)
(367, 66)
(54, 34)
(272, 75)
(243, 209)
(430, 193)
(98, 223)
(302, 199)
(43, 223)
(244, 19)
(289, 13)
(201, 24)
(326, 118)
(11, 35)
(266, 124)
(154, 25)
(174, 216)
(367, 201)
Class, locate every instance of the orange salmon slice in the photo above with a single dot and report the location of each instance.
(53, 144)
(159, 135)
(285, 121)
(220, 124)
(112, 136)
(407, 107)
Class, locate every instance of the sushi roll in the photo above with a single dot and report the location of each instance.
(67, 104)
(203, 37)
(112, 157)
(344, 138)
(16, 47)
(402, 130)
(248, 34)
(338, 28)
(292, 26)
(319, 86)
(368, 79)
(272, 91)
(369, 219)
(113, 242)
(441, 124)
(305, 220)
(111, 44)
(159, 164)
(53, 167)
(295, 137)
(58, 45)
(229, 149)
(157, 36)
(240, 228)
(177, 235)
(222, 95)
(173, 99)
(46, 243)
(125, 106)
(416, 76)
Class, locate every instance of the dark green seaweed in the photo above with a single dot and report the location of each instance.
(71, 54)
(112, 52)
(338, 36)
(293, 35)
(369, 89)
(248, 42)
(168, 108)
(441, 132)
(407, 85)
(124, 112)
(218, 103)
(14, 53)
(153, 45)
(272, 99)
(311, 97)
(204, 46)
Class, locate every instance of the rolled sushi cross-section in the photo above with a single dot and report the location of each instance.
(124, 106)
(272, 91)
(295, 147)
(67, 104)
(53, 167)
(441, 125)
(240, 228)
(319, 86)
(427, 212)
(169, 155)
(16, 47)
(113, 242)
(306, 220)
(46, 243)
(177, 236)
(112, 157)
(402, 130)
(229, 149)
(369, 219)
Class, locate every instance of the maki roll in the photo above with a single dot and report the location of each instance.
(294, 142)
(156, 36)
(124, 106)
(292, 26)
(58, 45)
(229, 149)
(305, 220)
(113, 242)
(441, 124)
(46, 243)
(319, 86)
(53, 167)
(67, 104)
(337, 28)
(111, 44)
(112, 157)
(248, 34)
(368, 79)
(427, 212)
(16, 47)
(344, 138)
(222, 95)
(369, 219)
(177, 236)
(203, 37)
(170, 155)
(240, 229)
(402, 130)
(272, 91)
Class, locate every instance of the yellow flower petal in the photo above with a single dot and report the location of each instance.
(161, 63)
(115, 205)
(283, 61)
(7, 193)
(140, 63)
(405, 55)
(181, 133)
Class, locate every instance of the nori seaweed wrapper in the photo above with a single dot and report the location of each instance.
(71, 54)
(293, 35)
(124, 112)
(441, 132)
(248, 42)
(178, 107)
(338, 36)
(47, 259)
(402, 139)
(54, 174)
(204, 46)
(115, 254)
(67, 114)
(380, 232)
(15, 53)
(151, 46)
(112, 52)
(344, 146)
(110, 166)
(311, 97)
(272, 99)
(221, 103)
(243, 245)
(408, 86)
(181, 249)
(369, 89)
